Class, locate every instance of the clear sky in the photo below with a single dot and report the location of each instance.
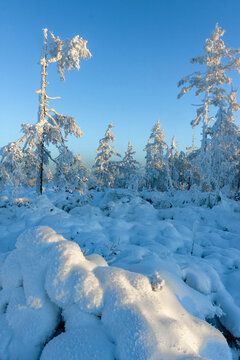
(140, 48)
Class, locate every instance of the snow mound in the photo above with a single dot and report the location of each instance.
(107, 312)
(86, 343)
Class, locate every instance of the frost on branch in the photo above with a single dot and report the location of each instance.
(66, 53)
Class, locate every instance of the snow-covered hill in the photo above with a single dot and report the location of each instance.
(118, 275)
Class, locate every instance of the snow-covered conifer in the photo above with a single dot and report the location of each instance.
(225, 145)
(192, 147)
(103, 167)
(192, 159)
(49, 176)
(129, 170)
(169, 184)
(149, 168)
(171, 170)
(155, 172)
(70, 172)
(182, 171)
(16, 165)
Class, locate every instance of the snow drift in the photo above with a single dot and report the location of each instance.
(108, 312)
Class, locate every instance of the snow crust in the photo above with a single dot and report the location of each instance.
(136, 294)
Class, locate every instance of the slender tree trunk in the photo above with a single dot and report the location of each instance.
(204, 139)
(42, 117)
(40, 170)
(169, 179)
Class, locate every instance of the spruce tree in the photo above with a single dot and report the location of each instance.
(104, 167)
(129, 169)
(155, 170)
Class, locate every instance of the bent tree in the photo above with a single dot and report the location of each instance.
(51, 127)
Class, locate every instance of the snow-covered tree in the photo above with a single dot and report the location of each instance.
(211, 84)
(155, 171)
(70, 173)
(3, 177)
(225, 145)
(51, 127)
(182, 171)
(79, 175)
(169, 184)
(16, 165)
(171, 170)
(129, 169)
(177, 168)
(192, 159)
(63, 163)
(149, 168)
(192, 147)
(104, 167)
(49, 176)
(11, 167)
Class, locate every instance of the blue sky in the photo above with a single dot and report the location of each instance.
(140, 48)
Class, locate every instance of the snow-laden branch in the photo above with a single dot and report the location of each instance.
(66, 53)
(52, 98)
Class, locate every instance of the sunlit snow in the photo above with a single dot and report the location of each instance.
(112, 276)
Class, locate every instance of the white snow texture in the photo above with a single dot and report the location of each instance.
(57, 303)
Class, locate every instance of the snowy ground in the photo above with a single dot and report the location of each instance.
(141, 296)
